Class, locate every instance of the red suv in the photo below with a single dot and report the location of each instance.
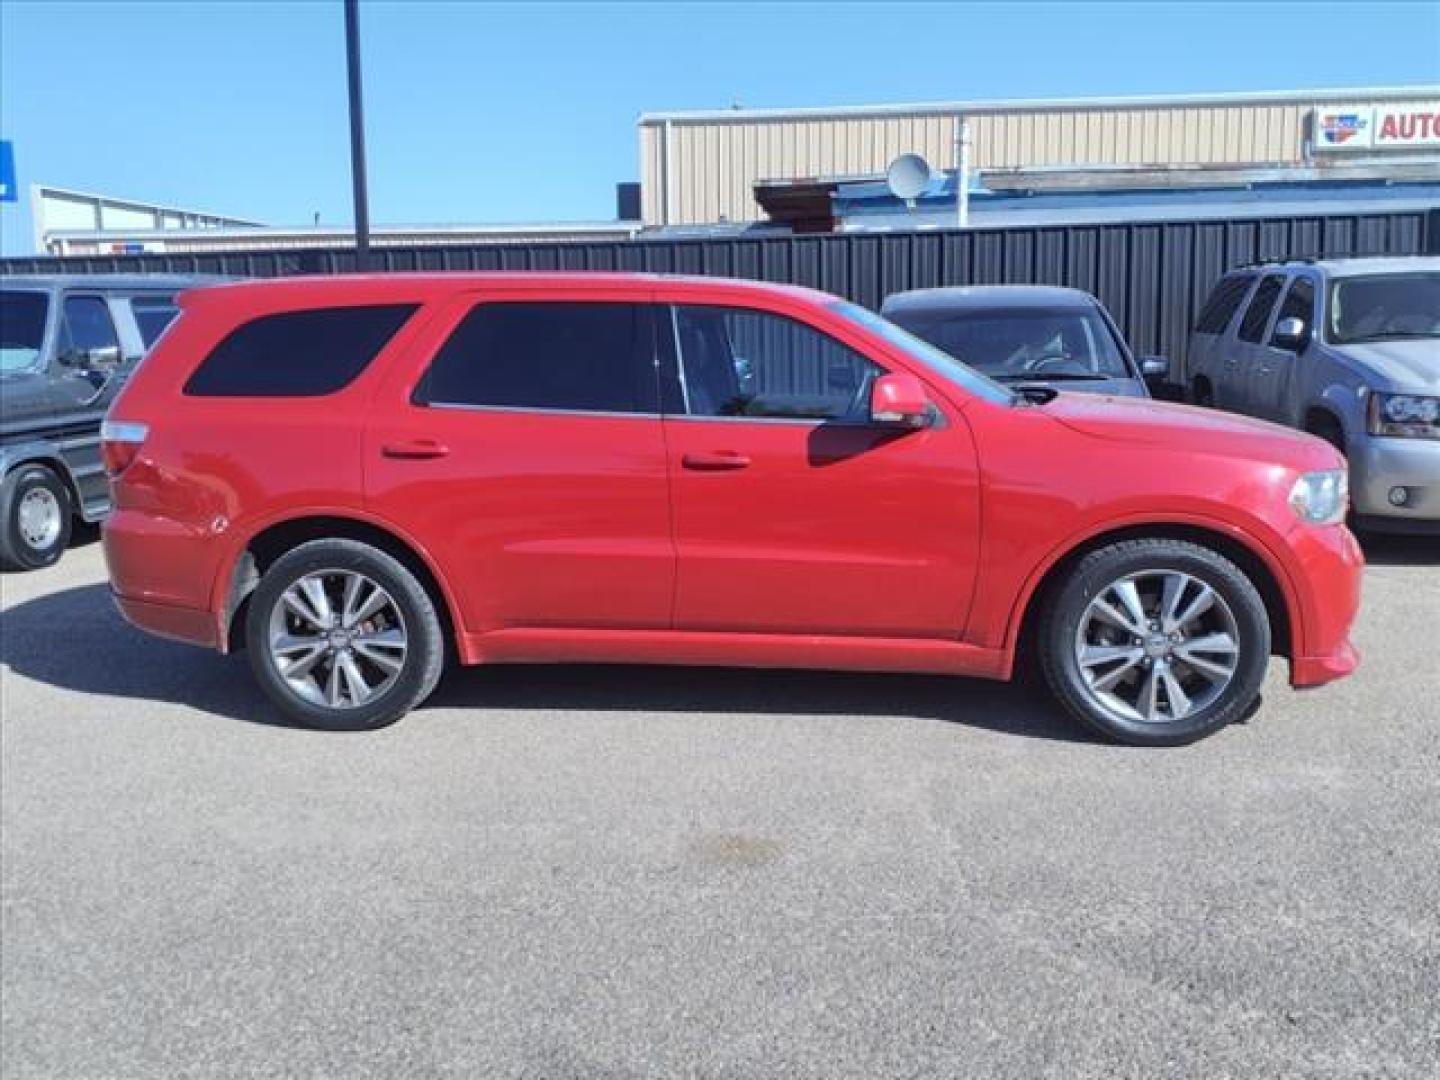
(352, 477)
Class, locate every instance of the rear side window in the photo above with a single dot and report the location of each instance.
(1224, 299)
(1252, 326)
(152, 315)
(298, 353)
(569, 356)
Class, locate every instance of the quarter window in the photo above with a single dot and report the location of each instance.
(152, 315)
(87, 325)
(1252, 326)
(298, 353)
(1224, 299)
(571, 356)
(744, 363)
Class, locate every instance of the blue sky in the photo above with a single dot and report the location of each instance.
(527, 112)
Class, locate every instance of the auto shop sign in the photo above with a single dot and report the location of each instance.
(1377, 127)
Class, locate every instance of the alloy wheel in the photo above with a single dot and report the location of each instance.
(337, 639)
(1156, 647)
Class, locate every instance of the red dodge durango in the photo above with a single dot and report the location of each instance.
(355, 477)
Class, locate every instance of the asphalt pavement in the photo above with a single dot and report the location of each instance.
(627, 872)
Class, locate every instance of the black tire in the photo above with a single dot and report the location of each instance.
(1202, 395)
(1066, 606)
(17, 550)
(425, 644)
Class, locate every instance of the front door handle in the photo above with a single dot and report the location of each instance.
(715, 462)
(415, 449)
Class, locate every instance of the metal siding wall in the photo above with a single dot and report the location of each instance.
(1153, 276)
(715, 163)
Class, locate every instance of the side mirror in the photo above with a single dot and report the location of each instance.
(107, 356)
(1289, 334)
(1154, 367)
(899, 401)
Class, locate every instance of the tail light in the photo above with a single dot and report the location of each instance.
(120, 442)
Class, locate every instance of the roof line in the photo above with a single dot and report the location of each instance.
(248, 232)
(1262, 97)
(141, 204)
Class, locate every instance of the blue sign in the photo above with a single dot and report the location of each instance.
(8, 190)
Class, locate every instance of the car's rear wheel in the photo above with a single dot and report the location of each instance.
(1155, 642)
(342, 636)
(35, 518)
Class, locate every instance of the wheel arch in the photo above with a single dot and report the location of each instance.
(49, 456)
(1319, 414)
(1280, 606)
(276, 538)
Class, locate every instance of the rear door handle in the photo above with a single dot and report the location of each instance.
(715, 462)
(415, 449)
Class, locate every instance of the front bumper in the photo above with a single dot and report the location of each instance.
(1379, 464)
(1329, 566)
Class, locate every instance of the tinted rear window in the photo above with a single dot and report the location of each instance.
(152, 315)
(577, 357)
(298, 353)
(1224, 299)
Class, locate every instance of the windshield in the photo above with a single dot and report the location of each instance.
(1384, 307)
(1029, 343)
(942, 364)
(22, 328)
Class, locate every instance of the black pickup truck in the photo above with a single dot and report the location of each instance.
(67, 345)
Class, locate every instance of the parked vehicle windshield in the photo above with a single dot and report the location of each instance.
(1030, 343)
(1384, 307)
(942, 363)
(22, 328)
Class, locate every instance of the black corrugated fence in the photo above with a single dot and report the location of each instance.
(1153, 276)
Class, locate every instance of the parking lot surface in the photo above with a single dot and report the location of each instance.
(612, 872)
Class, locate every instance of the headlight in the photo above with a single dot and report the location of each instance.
(1405, 415)
(1321, 498)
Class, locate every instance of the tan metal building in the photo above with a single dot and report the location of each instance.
(701, 167)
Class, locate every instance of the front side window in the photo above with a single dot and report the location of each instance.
(297, 353)
(1299, 303)
(1030, 343)
(87, 326)
(1257, 315)
(740, 362)
(572, 356)
(152, 315)
(1224, 299)
(1383, 307)
(936, 361)
(22, 328)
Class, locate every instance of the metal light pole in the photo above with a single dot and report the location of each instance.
(962, 172)
(357, 136)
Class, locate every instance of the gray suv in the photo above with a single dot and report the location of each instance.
(67, 344)
(1347, 349)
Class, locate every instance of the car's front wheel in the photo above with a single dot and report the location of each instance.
(342, 636)
(1155, 641)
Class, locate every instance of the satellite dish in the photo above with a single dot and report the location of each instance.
(908, 176)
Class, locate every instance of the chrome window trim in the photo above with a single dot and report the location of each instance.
(460, 406)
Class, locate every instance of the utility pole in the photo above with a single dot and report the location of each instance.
(357, 136)
(962, 172)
